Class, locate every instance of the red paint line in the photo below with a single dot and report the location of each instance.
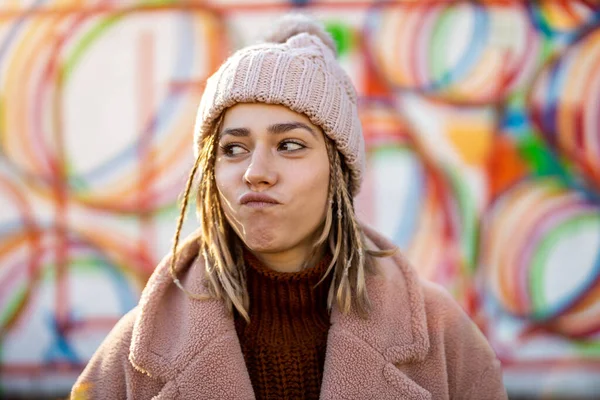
(235, 8)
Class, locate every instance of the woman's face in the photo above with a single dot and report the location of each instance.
(272, 173)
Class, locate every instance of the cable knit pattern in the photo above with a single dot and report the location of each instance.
(301, 74)
(285, 342)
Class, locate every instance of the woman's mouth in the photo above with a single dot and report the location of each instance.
(257, 200)
(259, 204)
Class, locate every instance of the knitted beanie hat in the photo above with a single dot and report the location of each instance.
(296, 68)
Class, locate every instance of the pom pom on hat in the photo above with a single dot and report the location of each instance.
(294, 24)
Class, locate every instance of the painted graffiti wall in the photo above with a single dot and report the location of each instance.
(482, 124)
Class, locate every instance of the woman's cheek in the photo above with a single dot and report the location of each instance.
(226, 195)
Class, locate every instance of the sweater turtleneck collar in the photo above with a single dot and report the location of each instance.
(286, 306)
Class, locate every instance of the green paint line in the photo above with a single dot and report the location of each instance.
(85, 43)
(88, 264)
(548, 50)
(94, 34)
(171, 209)
(158, 2)
(48, 272)
(540, 258)
(468, 217)
(387, 150)
(78, 184)
(538, 156)
(439, 42)
(342, 35)
(516, 100)
(11, 306)
(588, 349)
(538, 300)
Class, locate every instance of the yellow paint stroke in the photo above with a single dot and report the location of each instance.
(472, 139)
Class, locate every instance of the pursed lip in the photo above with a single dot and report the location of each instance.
(257, 200)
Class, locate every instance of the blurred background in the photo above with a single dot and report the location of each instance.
(482, 125)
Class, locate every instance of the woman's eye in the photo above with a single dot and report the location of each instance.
(232, 149)
(290, 146)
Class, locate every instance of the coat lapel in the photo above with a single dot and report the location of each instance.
(190, 345)
(362, 354)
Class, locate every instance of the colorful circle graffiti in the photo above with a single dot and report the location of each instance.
(564, 105)
(56, 298)
(563, 19)
(414, 201)
(461, 52)
(109, 154)
(540, 253)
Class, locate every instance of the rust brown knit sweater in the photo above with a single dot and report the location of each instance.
(284, 344)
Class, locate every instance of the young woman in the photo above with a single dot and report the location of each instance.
(281, 293)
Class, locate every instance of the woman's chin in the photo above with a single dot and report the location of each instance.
(262, 242)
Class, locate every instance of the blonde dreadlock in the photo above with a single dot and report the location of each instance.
(222, 249)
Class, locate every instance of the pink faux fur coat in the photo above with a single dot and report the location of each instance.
(417, 344)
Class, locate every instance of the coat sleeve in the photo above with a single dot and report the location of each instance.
(109, 374)
(472, 368)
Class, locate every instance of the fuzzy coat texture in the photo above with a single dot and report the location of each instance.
(416, 344)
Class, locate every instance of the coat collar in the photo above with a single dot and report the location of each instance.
(397, 325)
(170, 329)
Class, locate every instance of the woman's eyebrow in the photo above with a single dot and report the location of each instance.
(274, 129)
(289, 126)
(237, 132)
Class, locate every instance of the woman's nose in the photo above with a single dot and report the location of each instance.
(260, 171)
